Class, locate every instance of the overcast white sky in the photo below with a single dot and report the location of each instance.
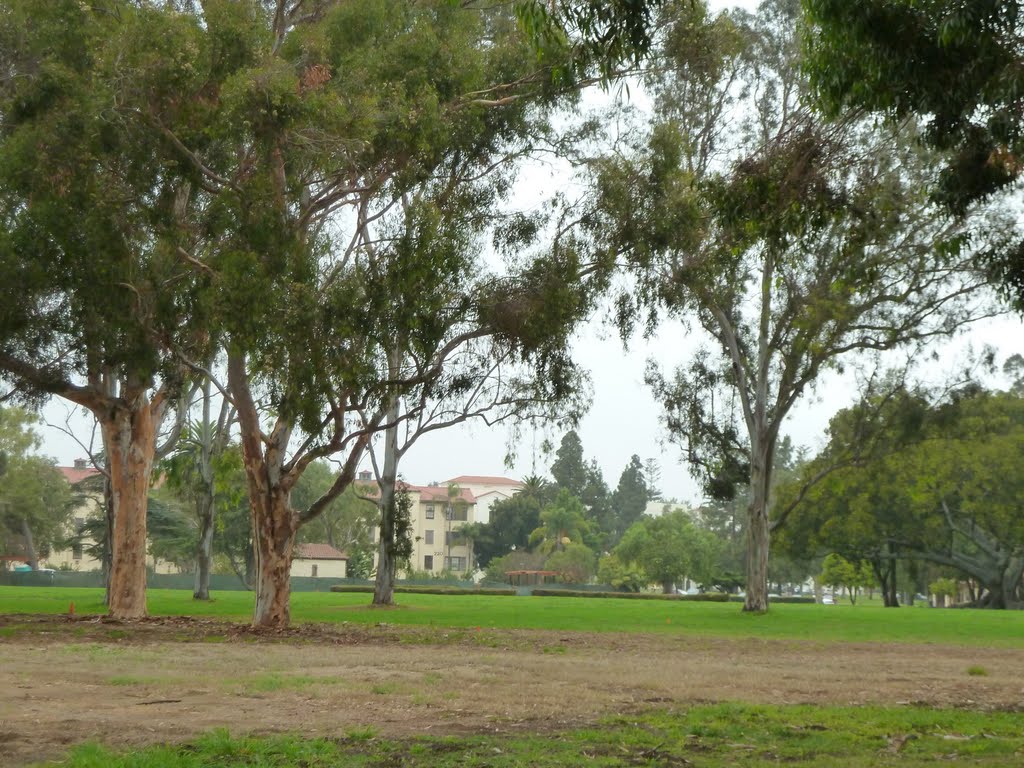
(623, 418)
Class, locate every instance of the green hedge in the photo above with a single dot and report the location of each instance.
(792, 600)
(706, 597)
(424, 590)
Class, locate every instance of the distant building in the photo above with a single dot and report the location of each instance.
(319, 561)
(438, 515)
(658, 508)
(487, 489)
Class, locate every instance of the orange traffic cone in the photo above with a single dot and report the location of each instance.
(71, 608)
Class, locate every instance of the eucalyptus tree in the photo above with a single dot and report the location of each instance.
(478, 342)
(183, 175)
(792, 244)
(955, 66)
(96, 295)
(322, 119)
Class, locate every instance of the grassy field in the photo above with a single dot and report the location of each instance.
(861, 623)
(709, 736)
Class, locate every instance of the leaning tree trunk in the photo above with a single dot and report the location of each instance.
(130, 436)
(204, 549)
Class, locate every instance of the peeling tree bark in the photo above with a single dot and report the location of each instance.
(130, 435)
(270, 478)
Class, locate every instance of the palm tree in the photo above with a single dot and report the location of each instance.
(563, 519)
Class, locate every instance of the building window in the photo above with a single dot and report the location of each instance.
(76, 550)
(457, 513)
(428, 562)
(313, 574)
(430, 511)
(454, 538)
(428, 536)
(457, 564)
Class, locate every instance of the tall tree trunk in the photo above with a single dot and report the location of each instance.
(204, 549)
(212, 439)
(108, 530)
(274, 522)
(384, 584)
(757, 540)
(30, 547)
(130, 434)
(273, 530)
(884, 567)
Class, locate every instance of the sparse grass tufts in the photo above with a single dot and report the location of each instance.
(715, 736)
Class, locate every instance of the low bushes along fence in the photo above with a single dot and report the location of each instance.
(428, 590)
(704, 597)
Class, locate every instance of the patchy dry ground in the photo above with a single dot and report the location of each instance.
(65, 681)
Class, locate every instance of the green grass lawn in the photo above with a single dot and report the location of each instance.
(861, 623)
(709, 736)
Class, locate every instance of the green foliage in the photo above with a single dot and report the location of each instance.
(779, 235)
(948, 64)
(172, 531)
(944, 588)
(837, 571)
(574, 562)
(92, 211)
(518, 560)
(562, 521)
(944, 490)
(625, 576)
(630, 498)
(569, 468)
(35, 502)
(512, 521)
(669, 548)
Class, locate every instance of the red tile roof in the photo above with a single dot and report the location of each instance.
(318, 552)
(75, 475)
(482, 480)
(440, 493)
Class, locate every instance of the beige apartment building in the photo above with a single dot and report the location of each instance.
(440, 510)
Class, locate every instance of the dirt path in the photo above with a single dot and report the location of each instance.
(169, 680)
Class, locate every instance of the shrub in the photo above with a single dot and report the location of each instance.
(706, 597)
(427, 590)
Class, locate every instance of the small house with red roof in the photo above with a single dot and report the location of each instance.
(319, 561)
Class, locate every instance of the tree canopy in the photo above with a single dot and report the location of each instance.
(955, 66)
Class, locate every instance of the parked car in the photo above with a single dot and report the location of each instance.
(827, 600)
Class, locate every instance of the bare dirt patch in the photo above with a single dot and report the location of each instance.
(63, 682)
